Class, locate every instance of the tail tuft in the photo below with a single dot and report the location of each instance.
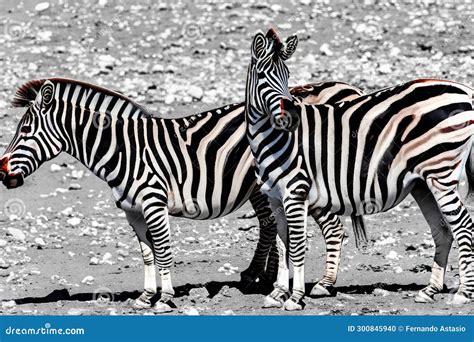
(360, 233)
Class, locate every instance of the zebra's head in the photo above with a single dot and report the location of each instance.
(267, 79)
(36, 139)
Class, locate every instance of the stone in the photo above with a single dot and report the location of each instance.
(88, 280)
(392, 255)
(55, 168)
(17, 234)
(325, 50)
(75, 186)
(94, 261)
(196, 92)
(40, 242)
(381, 292)
(3, 243)
(385, 69)
(74, 221)
(42, 6)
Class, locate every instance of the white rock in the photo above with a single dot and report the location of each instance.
(17, 234)
(77, 174)
(68, 211)
(3, 243)
(325, 50)
(385, 69)
(42, 6)
(398, 269)
(381, 292)
(75, 186)
(102, 3)
(107, 256)
(94, 261)
(40, 242)
(190, 311)
(88, 280)
(388, 241)
(392, 255)
(157, 68)
(196, 92)
(55, 168)
(74, 221)
(169, 99)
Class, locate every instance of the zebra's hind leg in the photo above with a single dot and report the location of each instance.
(443, 239)
(156, 216)
(280, 292)
(137, 221)
(460, 222)
(333, 233)
(266, 242)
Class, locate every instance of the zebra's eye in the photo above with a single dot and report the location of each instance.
(26, 129)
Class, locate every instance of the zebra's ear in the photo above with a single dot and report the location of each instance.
(45, 94)
(258, 45)
(289, 47)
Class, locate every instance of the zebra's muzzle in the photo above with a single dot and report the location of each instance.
(10, 180)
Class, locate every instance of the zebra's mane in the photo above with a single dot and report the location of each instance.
(28, 92)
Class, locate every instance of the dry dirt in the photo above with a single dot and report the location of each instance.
(153, 51)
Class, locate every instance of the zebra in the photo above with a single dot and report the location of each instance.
(197, 167)
(359, 157)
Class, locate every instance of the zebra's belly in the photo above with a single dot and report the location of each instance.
(370, 201)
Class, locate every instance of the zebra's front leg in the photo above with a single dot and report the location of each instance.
(156, 217)
(296, 211)
(138, 223)
(442, 237)
(333, 233)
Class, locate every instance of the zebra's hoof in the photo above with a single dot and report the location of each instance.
(270, 302)
(422, 297)
(291, 305)
(459, 299)
(320, 291)
(139, 303)
(161, 307)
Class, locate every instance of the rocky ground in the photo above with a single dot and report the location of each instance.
(66, 249)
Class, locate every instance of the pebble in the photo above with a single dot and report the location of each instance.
(94, 261)
(190, 311)
(17, 234)
(77, 174)
(387, 241)
(75, 186)
(88, 280)
(392, 255)
(398, 269)
(74, 221)
(381, 292)
(169, 99)
(195, 92)
(68, 211)
(385, 69)
(325, 50)
(55, 168)
(40, 242)
(3, 243)
(42, 6)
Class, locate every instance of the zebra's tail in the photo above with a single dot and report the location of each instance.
(360, 234)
